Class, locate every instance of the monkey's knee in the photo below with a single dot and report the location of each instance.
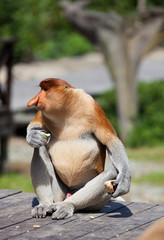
(97, 204)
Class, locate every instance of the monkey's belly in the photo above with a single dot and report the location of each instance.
(75, 160)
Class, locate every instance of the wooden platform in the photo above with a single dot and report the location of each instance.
(117, 220)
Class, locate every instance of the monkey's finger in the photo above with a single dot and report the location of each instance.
(40, 137)
(59, 215)
(54, 215)
(41, 212)
(38, 141)
(52, 208)
(38, 212)
(62, 215)
(121, 189)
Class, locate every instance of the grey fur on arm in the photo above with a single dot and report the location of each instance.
(120, 161)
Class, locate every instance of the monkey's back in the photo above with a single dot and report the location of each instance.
(77, 160)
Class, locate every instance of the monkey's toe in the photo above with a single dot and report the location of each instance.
(39, 211)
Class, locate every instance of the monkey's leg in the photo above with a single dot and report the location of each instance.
(92, 196)
(46, 183)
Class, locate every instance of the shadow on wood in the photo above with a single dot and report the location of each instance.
(120, 210)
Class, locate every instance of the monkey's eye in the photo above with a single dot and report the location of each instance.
(44, 89)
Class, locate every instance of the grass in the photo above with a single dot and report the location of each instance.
(148, 154)
(155, 154)
(16, 181)
(155, 178)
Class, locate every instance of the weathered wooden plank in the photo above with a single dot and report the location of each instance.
(57, 231)
(114, 207)
(13, 199)
(140, 212)
(12, 215)
(117, 224)
(16, 208)
(128, 235)
(5, 193)
(15, 214)
(64, 231)
(132, 209)
(110, 207)
(46, 225)
(22, 227)
(134, 233)
(16, 218)
(26, 226)
(115, 219)
(126, 219)
(71, 229)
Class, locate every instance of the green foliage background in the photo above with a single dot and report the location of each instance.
(42, 30)
(149, 126)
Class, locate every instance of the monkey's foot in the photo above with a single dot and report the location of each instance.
(39, 211)
(61, 210)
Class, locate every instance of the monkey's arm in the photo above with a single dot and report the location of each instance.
(119, 160)
(105, 133)
(35, 132)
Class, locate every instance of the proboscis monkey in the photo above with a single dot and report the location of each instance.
(73, 160)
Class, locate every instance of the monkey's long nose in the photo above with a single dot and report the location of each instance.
(33, 101)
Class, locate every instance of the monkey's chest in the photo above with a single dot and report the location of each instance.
(75, 161)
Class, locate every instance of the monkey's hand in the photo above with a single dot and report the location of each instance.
(122, 183)
(36, 136)
(120, 161)
(61, 210)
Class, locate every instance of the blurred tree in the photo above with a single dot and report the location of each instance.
(124, 42)
(43, 32)
(141, 5)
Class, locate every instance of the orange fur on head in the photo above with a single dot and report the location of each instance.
(53, 82)
(52, 91)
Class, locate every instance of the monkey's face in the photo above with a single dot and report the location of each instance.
(53, 97)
